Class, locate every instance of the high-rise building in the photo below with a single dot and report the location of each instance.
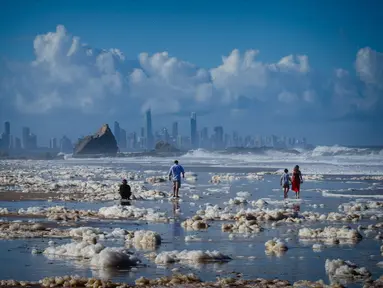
(117, 132)
(7, 128)
(53, 143)
(33, 141)
(6, 136)
(193, 130)
(148, 130)
(122, 143)
(175, 130)
(133, 140)
(218, 137)
(25, 137)
(66, 145)
(17, 145)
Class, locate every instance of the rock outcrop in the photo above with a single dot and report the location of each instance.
(103, 142)
(162, 146)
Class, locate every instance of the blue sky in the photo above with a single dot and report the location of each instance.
(329, 33)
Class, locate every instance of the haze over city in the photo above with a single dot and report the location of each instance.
(298, 69)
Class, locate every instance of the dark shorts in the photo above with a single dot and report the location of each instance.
(286, 186)
(177, 182)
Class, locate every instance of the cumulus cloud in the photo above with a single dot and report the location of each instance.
(68, 74)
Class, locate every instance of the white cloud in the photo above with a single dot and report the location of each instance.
(67, 74)
(369, 66)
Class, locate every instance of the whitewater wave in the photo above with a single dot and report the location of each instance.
(337, 150)
(326, 160)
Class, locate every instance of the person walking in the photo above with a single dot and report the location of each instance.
(175, 175)
(285, 183)
(297, 180)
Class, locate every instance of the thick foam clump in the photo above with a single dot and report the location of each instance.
(140, 239)
(361, 206)
(144, 239)
(259, 203)
(3, 211)
(16, 229)
(237, 201)
(340, 269)
(242, 226)
(318, 247)
(330, 234)
(95, 252)
(276, 246)
(195, 223)
(215, 213)
(131, 212)
(194, 256)
(58, 213)
(114, 258)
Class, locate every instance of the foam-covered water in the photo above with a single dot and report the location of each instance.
(223, 186)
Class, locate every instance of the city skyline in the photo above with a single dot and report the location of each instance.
(192, 139)
(259, 67)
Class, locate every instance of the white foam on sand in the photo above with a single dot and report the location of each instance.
(193, 256)
(330, 234)
(276, 246)
(95, 252)
(118, 211)
(338, 268)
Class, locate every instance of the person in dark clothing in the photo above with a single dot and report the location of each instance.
(125, 191)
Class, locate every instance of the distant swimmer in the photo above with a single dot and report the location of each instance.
(175, 175)
(285, 182)
(297, 181)
(125, 191)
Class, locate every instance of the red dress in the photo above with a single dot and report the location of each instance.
(296, 183)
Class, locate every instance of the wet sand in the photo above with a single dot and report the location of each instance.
(10, 195)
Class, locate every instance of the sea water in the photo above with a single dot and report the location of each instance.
(340, 183)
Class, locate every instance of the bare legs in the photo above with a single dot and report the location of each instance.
(176, 189)
(297, 196)
(285, 191)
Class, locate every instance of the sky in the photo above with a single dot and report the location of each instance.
(290, 68)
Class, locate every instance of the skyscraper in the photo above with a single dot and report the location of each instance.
(53, 143)
(117, 132)
(218, 137)
(175, 130)
(122, 144)
(193, 130)
(25, 137)
(7, 128)
(6, 136)
(148, 130)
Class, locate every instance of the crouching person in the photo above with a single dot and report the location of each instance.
(125, 192)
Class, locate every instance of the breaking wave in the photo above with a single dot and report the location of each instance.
(346, 151)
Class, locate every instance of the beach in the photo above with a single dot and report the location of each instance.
(63, 217)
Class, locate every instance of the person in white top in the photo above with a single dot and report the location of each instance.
(285, 182)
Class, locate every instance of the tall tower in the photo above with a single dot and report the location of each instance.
(117, 132)
(6, 136)
(193, 130)
(175, 130)
(218, 137)
(7, 128)
(148, 129)
(25, 137)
